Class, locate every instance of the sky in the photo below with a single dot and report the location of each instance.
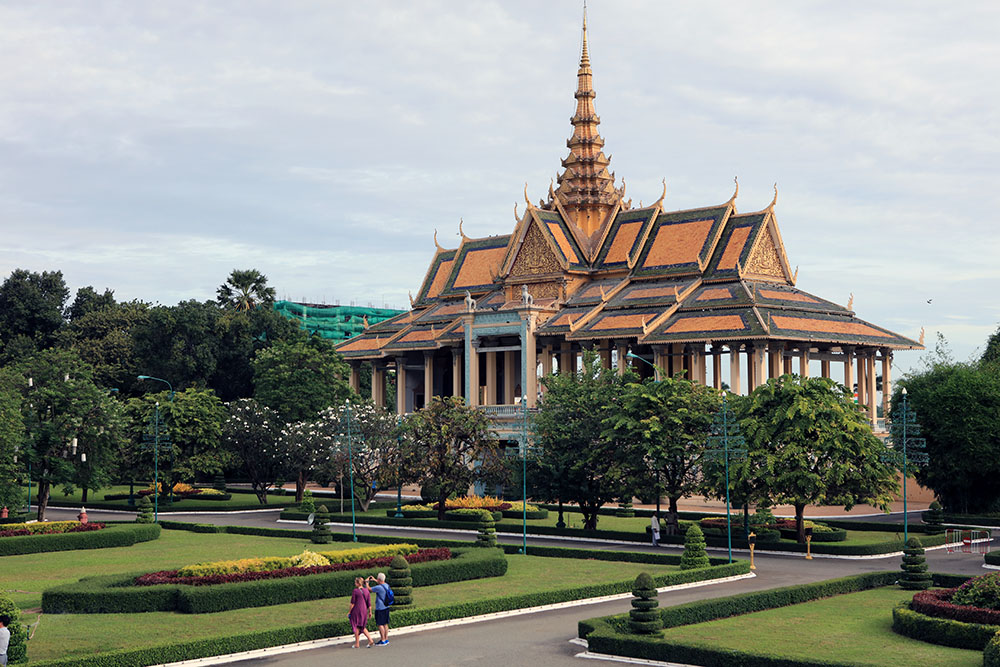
(151, 148)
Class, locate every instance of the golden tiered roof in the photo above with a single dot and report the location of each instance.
(598, 269)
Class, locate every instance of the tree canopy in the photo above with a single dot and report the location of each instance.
(245, 289)
(300, 378)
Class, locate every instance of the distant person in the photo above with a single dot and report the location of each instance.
(381, 591)
(4, 637)
(360, 611)
(654, 529)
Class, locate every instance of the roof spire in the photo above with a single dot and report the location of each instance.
(586, 189)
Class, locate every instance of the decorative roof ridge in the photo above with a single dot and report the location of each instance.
(655, 323)
(516, 239)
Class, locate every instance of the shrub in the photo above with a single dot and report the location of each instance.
(235, 566)
(321, 531)
(400, 581)
(644, 618)
(470, 514)
(476, 502)
(992, 557)
(981, 591)
(47, 528)
(915, 576)
(362, 553)
(308, 505)
(487, 530)
(625, 509)
(991, 654)
(145, 514)
(219, 482)
(941, 604)
(694, 549)
(934, 518)
(943, 631)
(17, 649)
(120, 535)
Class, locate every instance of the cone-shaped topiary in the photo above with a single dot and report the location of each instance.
(625, 509)
(487, 530)
(321, 531)
(145, 514)
(935, 519)
(219, 482)
(17, 649)
(308, 505)
(915, 576)
(400, 581)
(694, 549)
(644, 618)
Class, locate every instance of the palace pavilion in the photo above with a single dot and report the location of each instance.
(684, 291)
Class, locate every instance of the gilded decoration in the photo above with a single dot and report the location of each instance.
(540, 291)
(764, 259)
(535, 256)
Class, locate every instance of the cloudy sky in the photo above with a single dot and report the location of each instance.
(152, 147)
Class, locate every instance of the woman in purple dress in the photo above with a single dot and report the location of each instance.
(359, 611)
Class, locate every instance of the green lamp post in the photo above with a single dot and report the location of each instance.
(906, 449)
(157, 422)
(725, 433)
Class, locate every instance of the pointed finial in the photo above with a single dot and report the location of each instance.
(850, 301)
(663, 195)
(584, 55)
(773, 201)
(436, 244)
(412, 302)
(623, 188)
(795, 278)
(364, 321)
(552, 193)
(461, 232)
(736, 180)
(517, 218)
(526, 200)
(921, 336)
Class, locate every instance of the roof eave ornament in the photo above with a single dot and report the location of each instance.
(732, 200)
(526, 200)
(461, 232)
(770, 207)
(850, 302)
(921, 336)
(436, 244)
(659, 202)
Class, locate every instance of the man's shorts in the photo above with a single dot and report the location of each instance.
(381, 617)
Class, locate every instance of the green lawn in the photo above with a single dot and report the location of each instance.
(80, 634)
(238, 501)
(853, 628)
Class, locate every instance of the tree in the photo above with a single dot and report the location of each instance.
(665, 425)
(581, 461)
(816, 445)
(67, 418)
(31, 308)
(378, 447)
(89, 301)
(453, 447)
(11, 434)
(991, 355)
(179, 343)
(253, 434)
(104, 338)
(245, 290)
(299, 379)
(958, 407)
(307, 445)
(240, 335)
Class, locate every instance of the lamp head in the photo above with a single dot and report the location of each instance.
(904, 391)
(142, 377)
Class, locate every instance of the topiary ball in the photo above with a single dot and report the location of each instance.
(644, 618)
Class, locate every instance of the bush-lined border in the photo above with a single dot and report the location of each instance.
(112, 594)
(113, 535)
(992, 557)
(942, 631)
(609, 634)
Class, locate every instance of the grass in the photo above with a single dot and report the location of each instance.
(60, 636)
(96, 498)
(852, 628)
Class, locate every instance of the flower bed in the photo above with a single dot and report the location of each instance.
(175, 577)
(117, 535)
(47, 528)
(939, 604)
(470, 514)
(305, 559)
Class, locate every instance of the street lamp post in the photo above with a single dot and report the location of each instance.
(399, 471)
(523, 451)
(726, 434)
(656, 368)
(906, 450)
(156, 445)
(350, 471)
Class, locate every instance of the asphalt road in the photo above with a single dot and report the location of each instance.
(543, 638)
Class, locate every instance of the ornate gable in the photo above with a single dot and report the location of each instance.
(765, 259)
(535, 256)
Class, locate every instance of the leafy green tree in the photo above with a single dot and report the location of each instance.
(245, 290)
(193, 421)
(452, 447)
(11, 434)
(104, 338)
(664, 426)
(816, 444)
(179, 343)
(298, 379)
(67, 417)
(88, 301)
(31, 309)
(241, 334)
(581, 460)
(252, 433)
(958, 407)
(991, 355)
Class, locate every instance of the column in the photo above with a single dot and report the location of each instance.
(472, 373)
(870, 384)
(860, 378)
(804, 361)
(886, 381)
(378, 385)
(546, 363)
(786, 366)
(734, 369)
(759, 364)
(567, 360)
(604, 350)
(848, 361)
(491, 378)
(356, 377)
(775, 365)
(717, 367)
(510, 361)
(456, 371)
(529, 367)
(622, 359)
(660, 357)
(400, 385)
(824, 368)
(428, 377)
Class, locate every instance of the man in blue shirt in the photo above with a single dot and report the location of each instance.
(381, 590)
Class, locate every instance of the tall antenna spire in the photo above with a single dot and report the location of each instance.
(584, 55)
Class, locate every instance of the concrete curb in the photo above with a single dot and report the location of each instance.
(169, 514)
(991, 567)
(410, 629)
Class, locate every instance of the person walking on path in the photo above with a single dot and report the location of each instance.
(654, 529)
(360, 611)
(381, 591)
(4, 637)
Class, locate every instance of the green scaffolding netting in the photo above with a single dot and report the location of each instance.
(334, 322)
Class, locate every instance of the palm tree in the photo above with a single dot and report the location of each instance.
(245, 290)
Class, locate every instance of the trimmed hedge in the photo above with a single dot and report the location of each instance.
(115, 594)
(609, 634)
(967, 519)
(992, 557)
(468, 514)
(177, 497)
(939, 605)
(114, 535)
(991, 654)
(943, 631)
